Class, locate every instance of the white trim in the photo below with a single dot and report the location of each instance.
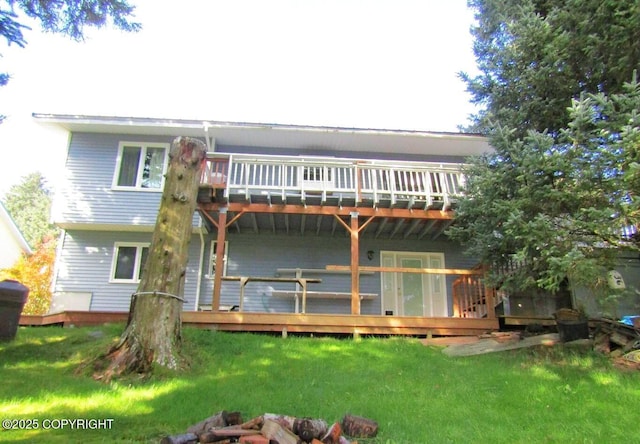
(58, 260)
(426, 283)
(14, 231)
(200, 270)
(136, 268)
(143, 149)
(212, 253)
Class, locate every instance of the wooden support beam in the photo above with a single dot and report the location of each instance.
(381, 227)
(234, 219)
(367, 222)
(427, 227)
(217, 280)
(207, 216)
(272, 219)
(397, 227)
(355, 261)
(254, 220)
(318, 224)
(334, 225)
(411, 228)
(330, 210)
(343, 223)
(458, 271)
(442, 229)
(286, 223)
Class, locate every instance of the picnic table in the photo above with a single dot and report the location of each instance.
(244, 280)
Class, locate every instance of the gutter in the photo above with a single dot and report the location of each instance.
(200, 267)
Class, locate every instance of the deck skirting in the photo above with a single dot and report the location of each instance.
(290, 322)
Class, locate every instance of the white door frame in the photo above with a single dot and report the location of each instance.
(434, 289)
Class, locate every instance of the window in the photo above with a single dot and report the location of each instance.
(128, 261)
(141, 166)
(213, 258)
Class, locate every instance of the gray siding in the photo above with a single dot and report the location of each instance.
(85, 261)
(617, 303)
(86, 196)
(263, 254)
(84, 265)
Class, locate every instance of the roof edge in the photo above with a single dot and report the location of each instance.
(197, 123)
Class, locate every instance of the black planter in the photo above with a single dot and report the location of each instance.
(572, 330)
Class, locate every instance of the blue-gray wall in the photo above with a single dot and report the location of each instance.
(84, 265)
(86, 196)
(263, 254)
(87, 201)
(614, 303)
(85, 262)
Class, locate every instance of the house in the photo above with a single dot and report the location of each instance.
(12, 242)
(298, 227)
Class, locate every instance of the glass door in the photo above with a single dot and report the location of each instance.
(413, 294)
(411, 287)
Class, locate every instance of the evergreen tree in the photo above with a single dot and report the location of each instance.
(559, 204)
(561, 109)
(67, 17)
(29, 204)
(535, 56)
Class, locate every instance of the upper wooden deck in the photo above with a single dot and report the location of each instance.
(332, 181)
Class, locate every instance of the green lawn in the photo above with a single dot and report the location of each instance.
(416, 393)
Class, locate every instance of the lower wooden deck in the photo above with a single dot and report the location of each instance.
(291, 323)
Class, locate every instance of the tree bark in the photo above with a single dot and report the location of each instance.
(153, 332)
(359, 427)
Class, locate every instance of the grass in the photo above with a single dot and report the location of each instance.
(416, 393)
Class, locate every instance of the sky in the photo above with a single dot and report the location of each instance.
(386, 64)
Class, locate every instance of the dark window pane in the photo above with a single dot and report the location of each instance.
(125, 263)
(129, 166)
(143, 260)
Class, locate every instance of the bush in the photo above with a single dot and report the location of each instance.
(36, 272)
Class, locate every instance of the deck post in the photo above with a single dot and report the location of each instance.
(355, 262)
(217, 281)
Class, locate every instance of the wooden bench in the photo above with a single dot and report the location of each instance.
(316, 295)
(300, 271)
(244, 280)
(208, 307)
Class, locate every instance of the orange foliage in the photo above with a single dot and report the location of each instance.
(35, 272)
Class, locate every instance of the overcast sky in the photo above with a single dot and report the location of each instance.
(369, 64)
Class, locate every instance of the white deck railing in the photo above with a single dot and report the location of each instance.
(287, 176)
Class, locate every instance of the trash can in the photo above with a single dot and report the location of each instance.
(13, 296)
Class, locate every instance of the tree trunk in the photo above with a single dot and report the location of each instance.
(153, 332)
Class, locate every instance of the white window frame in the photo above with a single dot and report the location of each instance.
(143, 149)
(138, 259)
(212, 259)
